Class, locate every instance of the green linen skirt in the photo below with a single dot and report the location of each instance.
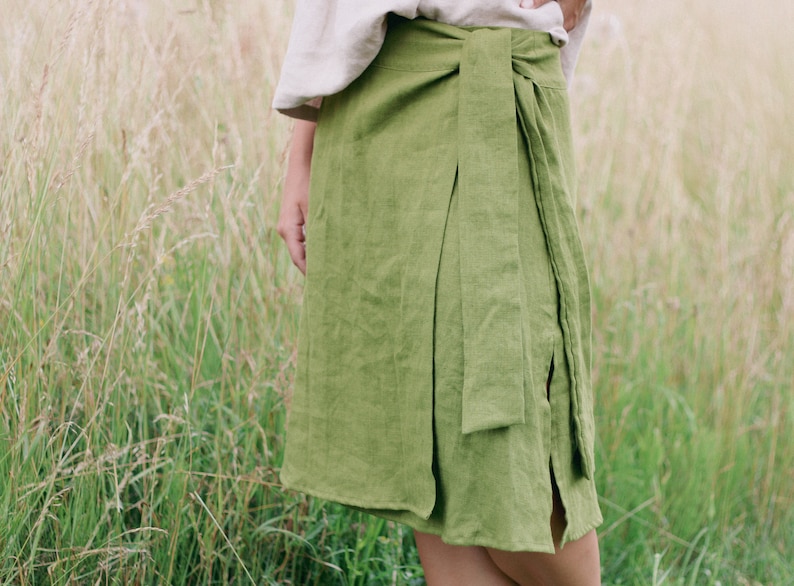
(445, 287)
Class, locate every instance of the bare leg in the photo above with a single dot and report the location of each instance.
(577, 564)
(455, 565)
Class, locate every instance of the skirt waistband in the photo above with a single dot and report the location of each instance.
(427, 45)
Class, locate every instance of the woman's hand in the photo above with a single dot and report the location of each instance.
(295, 203)
(572, 9)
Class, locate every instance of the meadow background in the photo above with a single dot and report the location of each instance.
(148, 311)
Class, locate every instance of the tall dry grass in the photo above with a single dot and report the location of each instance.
(146, 317)
(687, 197)
(148, 311)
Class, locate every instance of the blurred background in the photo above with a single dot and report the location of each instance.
(148, 312)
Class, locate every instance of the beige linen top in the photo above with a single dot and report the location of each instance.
(333, 41)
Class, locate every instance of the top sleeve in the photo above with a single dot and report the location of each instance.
(332, 42)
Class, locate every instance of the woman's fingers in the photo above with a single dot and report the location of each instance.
(297, 251)
(291, 229)
(572, 10)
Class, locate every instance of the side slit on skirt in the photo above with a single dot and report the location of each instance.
(556, 497)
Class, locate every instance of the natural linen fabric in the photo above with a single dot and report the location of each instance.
(445, 272)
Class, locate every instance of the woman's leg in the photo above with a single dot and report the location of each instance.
(576, 564)
(455, 565)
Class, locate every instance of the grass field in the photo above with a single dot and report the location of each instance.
(148, 310)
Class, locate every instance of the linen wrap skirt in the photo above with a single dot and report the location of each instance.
(444, 347)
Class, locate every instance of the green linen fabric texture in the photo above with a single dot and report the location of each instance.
(445, 277)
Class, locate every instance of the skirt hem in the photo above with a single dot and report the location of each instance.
(382, 510)
(355, 502)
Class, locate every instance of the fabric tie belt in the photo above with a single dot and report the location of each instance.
(501, 71)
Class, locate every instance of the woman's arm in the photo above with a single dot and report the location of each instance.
(295, 202)
(572, 9)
